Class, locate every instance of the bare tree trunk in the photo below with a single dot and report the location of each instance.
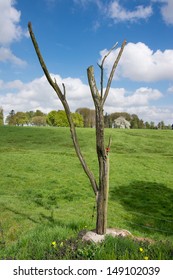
(103, 173)
(102, 199)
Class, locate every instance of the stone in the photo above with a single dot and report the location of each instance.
(92, 236)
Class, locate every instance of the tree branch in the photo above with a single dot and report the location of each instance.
(40, 58)
(113, 69)
(102, 69)
(64, 89)
(92, 84)
(62, 97)
(114, 46)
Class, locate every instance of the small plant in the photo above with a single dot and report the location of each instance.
(142, 251)
(112, 248)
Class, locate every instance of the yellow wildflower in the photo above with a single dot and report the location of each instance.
(146, 258)
(54, 244)
(141, 250)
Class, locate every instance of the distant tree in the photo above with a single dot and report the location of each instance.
(77, 119)
(1, 116)
(38, 113)
(11, 118)
(161, 125)
(59, 118)
(30, 115)
(88, 116)
(147, 125)
(51, 118)
(152, 125)
(39, 121)
(141, 124)
(20, 118)
(134, 121)
(107, 120)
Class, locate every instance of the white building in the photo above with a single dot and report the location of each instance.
(121, 122)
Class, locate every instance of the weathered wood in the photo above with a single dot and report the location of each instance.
(113, 71)
(101, 222)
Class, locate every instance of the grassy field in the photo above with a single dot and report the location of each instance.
(45, 196)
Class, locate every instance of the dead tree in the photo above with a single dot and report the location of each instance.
(100, 188)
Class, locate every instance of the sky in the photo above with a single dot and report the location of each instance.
(74, 34)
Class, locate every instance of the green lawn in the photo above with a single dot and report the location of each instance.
(45, 195)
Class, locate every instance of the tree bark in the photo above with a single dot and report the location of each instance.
(102, 199)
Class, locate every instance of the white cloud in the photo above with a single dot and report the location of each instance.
(38, 94)
(140, 63)
(7, 55)
(166, 10)
(153, 113)
(10, 31)
(139, 102)
(119, 13)
(170, 89)
(9, 20)
(115, 11)
(141, 97)
(84, 3)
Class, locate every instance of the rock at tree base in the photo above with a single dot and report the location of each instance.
(92, 236)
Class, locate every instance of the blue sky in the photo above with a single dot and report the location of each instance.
(74, 34)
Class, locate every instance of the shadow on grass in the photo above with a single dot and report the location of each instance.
(21, 214)
(48, 219)
(149, 206)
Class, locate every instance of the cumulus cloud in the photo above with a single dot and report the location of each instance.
(9, 20)
(119, 13)
(166, 10)
(37, 94)
(153, 113)
(140, 97)
(10, 31)
(7, 55)
(114, 10)
(140, 63)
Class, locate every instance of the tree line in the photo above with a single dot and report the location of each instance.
(38, 118)
(83, 117)
(134, 120)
